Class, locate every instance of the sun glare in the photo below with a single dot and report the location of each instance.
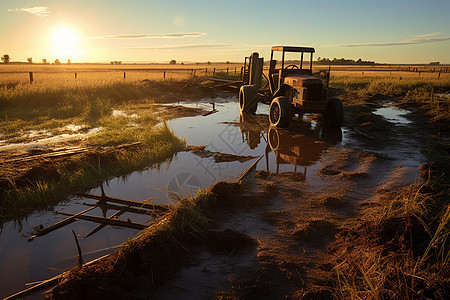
(65, 44)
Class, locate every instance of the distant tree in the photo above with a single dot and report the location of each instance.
(57, 62)
(227, 62)
(30, 60)
(119, 62)
(209, 63)
(173, 62)
(182, 63)
(112, 62)
(6, 58)
(44, 61)
(69, 62)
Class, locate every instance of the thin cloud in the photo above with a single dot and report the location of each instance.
(155, 35)
(428, 35)
(415, 41)
(40, 11)
(187, 47)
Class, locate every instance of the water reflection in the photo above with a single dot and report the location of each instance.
(301, 145)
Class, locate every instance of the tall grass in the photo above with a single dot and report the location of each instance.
(400, 251)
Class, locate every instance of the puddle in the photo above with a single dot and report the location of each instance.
(296, 150)
(43, 138)
(393, 114)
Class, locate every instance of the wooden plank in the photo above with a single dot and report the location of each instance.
(126, 208)
(47, 283)
(248, 170)
(223, 80)
(107, 221)
(60, 224)
(101, 226)
(125, 202)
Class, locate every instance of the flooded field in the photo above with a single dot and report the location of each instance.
(298, 151)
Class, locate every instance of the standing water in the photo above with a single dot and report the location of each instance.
(297, 150)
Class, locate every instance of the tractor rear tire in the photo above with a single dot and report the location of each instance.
(280, 112)
(335, 112)
(248, 99)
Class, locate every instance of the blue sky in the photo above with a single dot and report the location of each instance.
(384, 31)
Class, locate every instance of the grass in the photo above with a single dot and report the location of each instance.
(399, 246)
(88, 171)
(405, 88)
(121, 110)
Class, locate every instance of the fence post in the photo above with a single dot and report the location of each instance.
(439, 75)
(227, 70)
(235, 70)
(164, 76)
(31, 77)
(214, 72)
(75, 75)
(193, 74)
(124, 75)
(206, 71)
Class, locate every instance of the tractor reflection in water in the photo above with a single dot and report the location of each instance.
(301, 145)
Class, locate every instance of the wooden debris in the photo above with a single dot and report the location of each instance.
(140, 211)
(106, 221)
(249, 169)
(101, 226)
(60, 224)
(126, 202)
(46, 283)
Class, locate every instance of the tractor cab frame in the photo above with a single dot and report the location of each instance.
(292, 88)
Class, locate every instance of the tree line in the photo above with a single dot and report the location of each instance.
(343, 61)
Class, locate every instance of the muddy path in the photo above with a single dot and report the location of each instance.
(299, 206)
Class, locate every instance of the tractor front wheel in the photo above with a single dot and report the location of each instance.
(335, 112)
(280, 112)
(248, 99)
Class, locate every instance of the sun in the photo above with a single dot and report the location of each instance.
(65, 43)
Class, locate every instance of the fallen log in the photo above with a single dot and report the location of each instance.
(107, 221)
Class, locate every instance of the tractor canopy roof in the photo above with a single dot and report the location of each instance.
(293, 49)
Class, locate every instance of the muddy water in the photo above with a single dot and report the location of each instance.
(297, 150)
(393, 114)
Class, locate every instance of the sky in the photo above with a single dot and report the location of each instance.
(393, 31)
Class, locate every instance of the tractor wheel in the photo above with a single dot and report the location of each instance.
(247, 99)
(280, 112)
(335, 112)
(274, 138)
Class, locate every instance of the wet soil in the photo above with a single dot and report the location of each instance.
(269, 239)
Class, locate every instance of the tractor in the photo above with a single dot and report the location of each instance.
(292, 88)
